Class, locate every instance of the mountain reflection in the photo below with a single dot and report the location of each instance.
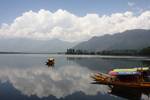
(59, 82)
(106, 63)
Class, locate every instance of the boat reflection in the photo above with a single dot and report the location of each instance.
(130, 93)
(49, 65)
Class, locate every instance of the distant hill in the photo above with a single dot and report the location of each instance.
(29, 45)
(130, 39)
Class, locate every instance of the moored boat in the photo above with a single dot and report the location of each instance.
(134, 77)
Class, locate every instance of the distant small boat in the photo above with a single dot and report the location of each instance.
(133, 77)
(50, 62)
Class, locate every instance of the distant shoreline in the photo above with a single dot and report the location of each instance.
(26, 53)
(81, 55)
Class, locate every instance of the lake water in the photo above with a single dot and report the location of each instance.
(26, 77)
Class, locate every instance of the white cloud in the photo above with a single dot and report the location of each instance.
(131, 4)
(67, 26)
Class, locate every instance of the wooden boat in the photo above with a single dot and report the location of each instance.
(50, 62)
(133, 77)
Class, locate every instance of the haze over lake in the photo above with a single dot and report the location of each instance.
(26, 77)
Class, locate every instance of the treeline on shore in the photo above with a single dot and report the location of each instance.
(142, 52)
(3, 52)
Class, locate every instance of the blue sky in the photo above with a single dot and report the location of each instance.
(67, 19)
(10, 9)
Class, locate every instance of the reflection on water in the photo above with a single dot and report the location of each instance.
(106, 64)
(109, 63)
(146, 63)
(27, 77)
(130, 93)
(43, 82)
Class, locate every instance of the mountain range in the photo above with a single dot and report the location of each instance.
(130, 39)
(30, 45)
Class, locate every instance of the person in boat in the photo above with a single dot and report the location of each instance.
(50, 61)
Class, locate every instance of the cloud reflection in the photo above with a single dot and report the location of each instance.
(59, 82)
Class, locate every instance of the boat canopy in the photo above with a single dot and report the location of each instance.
(130, 71)
(50, 58)
(113, 73)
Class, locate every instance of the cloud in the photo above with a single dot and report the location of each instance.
(67, 26)
(131, 4)
(59, 82)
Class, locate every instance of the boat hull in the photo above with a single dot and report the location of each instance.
(108, 80)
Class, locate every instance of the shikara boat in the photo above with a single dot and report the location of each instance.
(134, 77)
(50, 62)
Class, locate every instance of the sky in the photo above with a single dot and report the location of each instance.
(71, 20)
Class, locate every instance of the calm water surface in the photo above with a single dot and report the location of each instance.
(26, 77)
